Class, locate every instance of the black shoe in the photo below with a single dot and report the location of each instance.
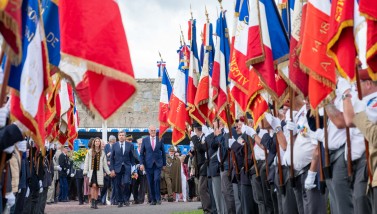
(127, 204)
(104, 203)
(153, 203)
(81, 203)
(170, 200)
(158, 202)
(120, 204)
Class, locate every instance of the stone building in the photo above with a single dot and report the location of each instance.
(139, 113)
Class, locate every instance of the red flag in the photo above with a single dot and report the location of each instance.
(368, 9)
(372, 48)
(258, 107)
(313, 58)
(296, 78)
(341, 46)
(97, 59)
(10, 29)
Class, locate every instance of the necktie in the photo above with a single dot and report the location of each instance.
(121, 147)
(153, 143)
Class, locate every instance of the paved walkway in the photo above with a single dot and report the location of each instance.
(165, 208)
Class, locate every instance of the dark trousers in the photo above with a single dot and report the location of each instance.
(63, 188)
(247, 200)
(113, 194)
(106, 186)
(72, 189)
(154, 177)
(80, 188)
(191, 187)
(42, 201)
(139, 188)
(31, 203)
(205, 197)
(20, 201)
(122, 190)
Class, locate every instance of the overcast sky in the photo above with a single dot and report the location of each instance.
(153, 25)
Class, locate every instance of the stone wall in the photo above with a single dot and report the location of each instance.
(140, 113)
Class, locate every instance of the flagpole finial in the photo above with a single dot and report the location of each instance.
(221, 6)
(159, 53)
(183, 37)
(192, 17)
(206, 12)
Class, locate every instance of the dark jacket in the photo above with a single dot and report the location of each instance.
(222, 141)
(214, 165)
(63, 163)
(9, 135)
(200, 154)
(240, 156)
(118, 158)
(148, 156)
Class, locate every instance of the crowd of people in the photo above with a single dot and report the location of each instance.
(297, 161)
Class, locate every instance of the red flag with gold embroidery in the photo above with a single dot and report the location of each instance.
(341, 46)
(97, 59)
(313, 57)
(10, 29)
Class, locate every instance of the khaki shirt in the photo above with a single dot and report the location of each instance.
(369, 131)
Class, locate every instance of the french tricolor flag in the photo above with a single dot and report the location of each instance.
(30, 79)
(275, 45)
(166, 90)
(178, 115)
(194, 75)
(220, 74)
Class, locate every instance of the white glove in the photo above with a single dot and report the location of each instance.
(291, 126)
(72, 175)
(27, 192)
(231, 141)
(59, 168)
(309, 181)
(273, 121)
(22, 146)
(342, 86)
(318, 135)
(40, 187)
(240, 141)
(226, 130)
(11, 200)
(4, 113)
(67, 171)
(249, 131)
(47, 145)
(9, 150)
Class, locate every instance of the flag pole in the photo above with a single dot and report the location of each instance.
(291, 168)
(280, 169)
(327, 168)
(370, 176)
(321, 176)
(252, 152)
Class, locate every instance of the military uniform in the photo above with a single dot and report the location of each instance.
(202, 164)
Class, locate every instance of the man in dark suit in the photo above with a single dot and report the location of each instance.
(153, 159)
(63, 163)
(121, 161)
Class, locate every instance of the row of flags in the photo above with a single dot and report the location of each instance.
(57, 57)
(275, 46)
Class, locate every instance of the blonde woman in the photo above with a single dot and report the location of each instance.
(95, 164)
